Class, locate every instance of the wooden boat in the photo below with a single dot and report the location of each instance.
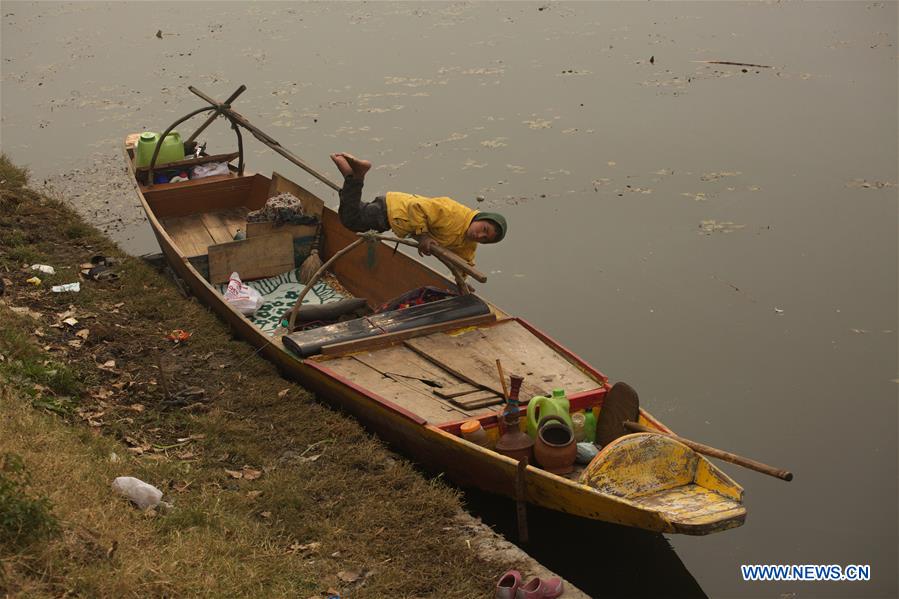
(387, 377)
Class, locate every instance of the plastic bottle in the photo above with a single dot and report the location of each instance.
(142, 494)
(474, 432)
(171, 149)
(541, 406)
(589, 425)
(577, 421)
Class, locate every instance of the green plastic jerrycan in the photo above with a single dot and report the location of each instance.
(541, 406)
(172, 149)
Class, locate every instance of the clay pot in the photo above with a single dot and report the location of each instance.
(515, 443)
(555, 449)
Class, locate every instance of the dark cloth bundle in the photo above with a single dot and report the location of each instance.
(416, 297)
(284, 208)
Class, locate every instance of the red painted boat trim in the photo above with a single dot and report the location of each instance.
(363, 391)
(579, 401)
(562, 349)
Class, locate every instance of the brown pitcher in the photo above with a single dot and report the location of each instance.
(514, 442)
(555, 449)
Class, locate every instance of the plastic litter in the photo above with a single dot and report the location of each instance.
(34, 281)
(241, 297)
(143, 495)
(586, 451)
(73, 287)
(44, 268)
(178, 336)
(208, 170)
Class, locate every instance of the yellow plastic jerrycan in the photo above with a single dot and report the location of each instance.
(541, 406)
(172, 149)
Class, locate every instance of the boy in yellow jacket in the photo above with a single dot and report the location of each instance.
(442, 220)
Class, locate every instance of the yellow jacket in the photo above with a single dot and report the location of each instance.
(444, 219)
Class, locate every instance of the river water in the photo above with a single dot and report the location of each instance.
(722, 237)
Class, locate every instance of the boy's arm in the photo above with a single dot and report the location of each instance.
(425, 242)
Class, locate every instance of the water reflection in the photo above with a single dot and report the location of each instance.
(601, 559)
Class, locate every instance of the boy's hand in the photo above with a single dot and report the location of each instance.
(425, 242)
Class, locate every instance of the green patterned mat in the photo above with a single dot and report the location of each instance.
(280, 293)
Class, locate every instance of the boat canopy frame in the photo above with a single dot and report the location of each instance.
(218, 109)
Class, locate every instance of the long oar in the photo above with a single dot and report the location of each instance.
(619, 413)
(717, 453)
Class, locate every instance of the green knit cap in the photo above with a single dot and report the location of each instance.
(498, 219)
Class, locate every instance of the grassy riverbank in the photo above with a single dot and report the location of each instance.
(272, 493)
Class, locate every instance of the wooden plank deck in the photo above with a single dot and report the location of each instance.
(387, 373)
(472, 355)
(194, 233)
(415, 374)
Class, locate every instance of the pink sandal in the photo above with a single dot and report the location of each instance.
(508, 584)
(537, 588)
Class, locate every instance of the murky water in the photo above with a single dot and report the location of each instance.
(724, 240)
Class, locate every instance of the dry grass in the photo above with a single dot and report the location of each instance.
(320, 504)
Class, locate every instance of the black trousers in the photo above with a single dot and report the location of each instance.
(360, 216)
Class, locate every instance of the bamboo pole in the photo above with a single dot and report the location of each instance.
(213, 116)
(449, 259)
(521, 499)
(502, 379)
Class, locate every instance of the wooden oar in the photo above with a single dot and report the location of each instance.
(717, 453)
(619, 413)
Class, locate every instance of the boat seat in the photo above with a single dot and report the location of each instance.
(639, 464)
(662, 474)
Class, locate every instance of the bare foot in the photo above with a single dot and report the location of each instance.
(342, 165)
(360, 167)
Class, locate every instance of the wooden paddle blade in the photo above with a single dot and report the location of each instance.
(621, 404)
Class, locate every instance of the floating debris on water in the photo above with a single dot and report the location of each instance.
(707, 227)
(714, 176)
(632, 189)
(698, 197)
(865, 184)
(473, 164)
(538, 124)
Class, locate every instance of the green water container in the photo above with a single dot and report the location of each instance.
(172, 149)
(541, 406)
(589, 425)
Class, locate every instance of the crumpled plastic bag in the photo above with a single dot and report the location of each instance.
(143, 495)
(242, 297)
(208, 170)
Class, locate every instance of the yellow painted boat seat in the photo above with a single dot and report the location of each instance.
(658, 473)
